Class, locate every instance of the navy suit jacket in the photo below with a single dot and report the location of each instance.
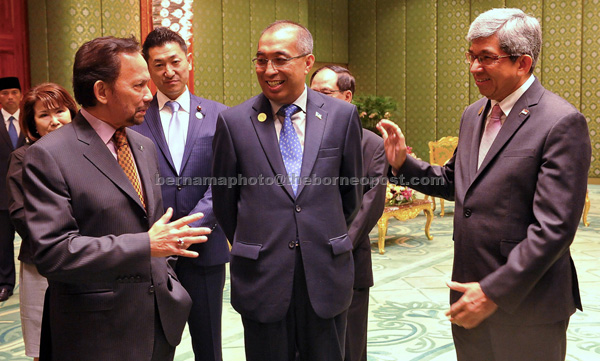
(516, 216)
(190, 192)
(373, 202)
(264, 219)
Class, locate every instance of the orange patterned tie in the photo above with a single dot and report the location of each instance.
(126, 161)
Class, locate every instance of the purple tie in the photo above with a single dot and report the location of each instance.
(289, 144)
(491, 131)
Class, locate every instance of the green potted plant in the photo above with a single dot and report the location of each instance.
(373, 108)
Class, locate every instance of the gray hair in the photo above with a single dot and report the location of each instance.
(304, 43)
(517, 32)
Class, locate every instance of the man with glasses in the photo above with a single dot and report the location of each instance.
(292, 160)
(336, 81)
(518, 178)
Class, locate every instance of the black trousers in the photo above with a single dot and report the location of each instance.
(205, 286)
(356, 328)
(302, 335)
(497, 342)
(7, 251)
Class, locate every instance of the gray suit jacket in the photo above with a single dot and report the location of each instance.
(264, 219)
(90, 239)
(516, 216)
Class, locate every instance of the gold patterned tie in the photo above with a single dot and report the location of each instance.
(126, 162)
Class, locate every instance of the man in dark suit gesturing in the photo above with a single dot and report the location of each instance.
(336, 81)
(518, 178)
(11, 138)
(291, 265)
(94, 214)
(182, 126)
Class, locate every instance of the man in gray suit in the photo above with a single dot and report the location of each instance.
(291, 267)
(95, 216)
(518, 178)
(336, 81)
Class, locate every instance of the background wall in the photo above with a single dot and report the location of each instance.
(411, 50)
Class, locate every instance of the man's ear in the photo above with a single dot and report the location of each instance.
(525, 62)
(100, 91)
(348, 96)
(310, 61)
(189, 60)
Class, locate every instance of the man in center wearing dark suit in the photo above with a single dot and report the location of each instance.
(183, 137)
(96, 220)
(518, 179)
(336, 81)
(292, 269)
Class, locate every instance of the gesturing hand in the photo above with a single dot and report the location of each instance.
(393, 142)
(472, 308)
(167, 239)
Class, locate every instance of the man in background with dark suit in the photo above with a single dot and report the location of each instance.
(11, 138)
(288, 165)
(519, 179)
(338, 82)
(182, 126)
(96, 220)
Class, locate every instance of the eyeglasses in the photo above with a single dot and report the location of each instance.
(329, 91)
(486, 60)
(277, 62)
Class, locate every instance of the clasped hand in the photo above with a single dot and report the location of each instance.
(173, 239)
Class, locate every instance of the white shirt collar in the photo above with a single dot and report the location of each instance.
(300, 102)
(509, 102)
(183, 100)
(7, 115)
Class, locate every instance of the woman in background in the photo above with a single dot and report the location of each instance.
(45, 108)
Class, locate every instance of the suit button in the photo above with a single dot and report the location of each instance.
(467, 213)
(179, 188)
(298, 208)
(292, 244)
(151, 289)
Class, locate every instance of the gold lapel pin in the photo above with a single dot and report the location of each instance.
(480, 110)
(318, 115)
(262, 117)
(141, 147)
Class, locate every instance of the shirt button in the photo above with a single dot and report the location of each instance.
(298, 208)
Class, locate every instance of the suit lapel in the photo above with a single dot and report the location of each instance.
(100, 156)
(194, 127)
(155, 126)
(477, 132)
(267, 137)
(518, 115)
(315, 127)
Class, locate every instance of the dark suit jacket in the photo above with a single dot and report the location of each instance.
(6, 148)
(374, 168)
(516, 216)
(90, 240)
(16, 208)
(264, 221)
(190, 194)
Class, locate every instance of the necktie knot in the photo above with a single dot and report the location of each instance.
(173, 105)
(120, 138)
(288, 110)
(496, 113)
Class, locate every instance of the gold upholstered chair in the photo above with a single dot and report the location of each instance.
(439, 153)
(586, 208)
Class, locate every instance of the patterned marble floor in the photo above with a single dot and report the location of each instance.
(406, 321)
